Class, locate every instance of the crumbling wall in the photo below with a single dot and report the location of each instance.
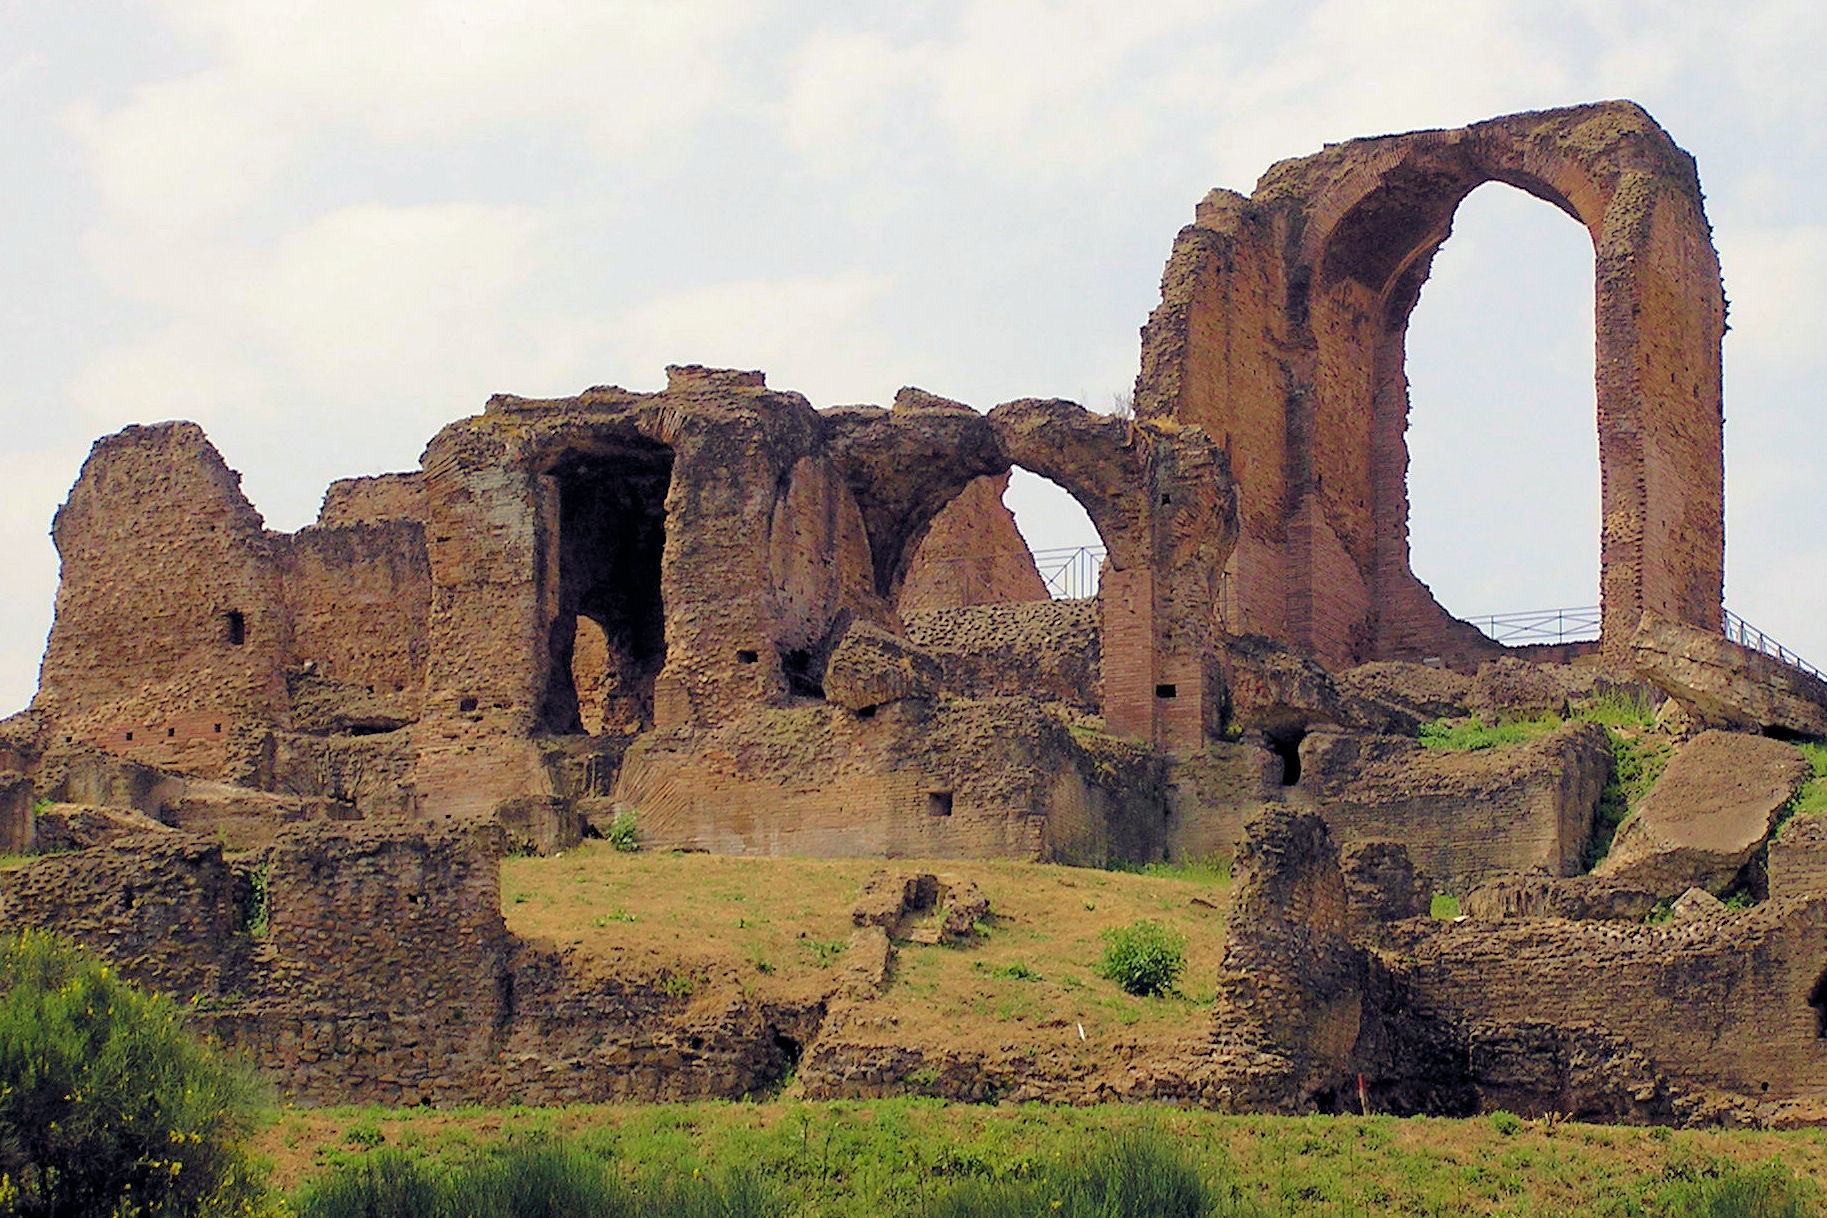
(1282, 327)
(171, 630)
(1729, 1003)
(1044, 649)
(165, 907)
(358, 598)
(1463, 816)
(1001, 779)
(384, 497)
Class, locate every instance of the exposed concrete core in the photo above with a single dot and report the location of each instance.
(1281, 331)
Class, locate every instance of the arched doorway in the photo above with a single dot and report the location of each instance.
(1503, 472)
(1282, 333)
(607, 636)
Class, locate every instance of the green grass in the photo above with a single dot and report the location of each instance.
(1811, 798)
(1638, 754)
(1213, 868)
(1473, 735)
(888, 1158)
(1444, 906)
(1637, 759)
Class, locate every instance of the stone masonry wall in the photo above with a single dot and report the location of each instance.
(1722, 1003)
(171, 631)
(1463, 816)
(163, 906)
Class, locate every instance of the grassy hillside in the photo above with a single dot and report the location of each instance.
(783, 923)
(852, 1159)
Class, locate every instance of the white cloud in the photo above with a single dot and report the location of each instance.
(627, 70)
(822, 336)
(1776, 280)
(34, 483)
(841, 88)
(184, 153)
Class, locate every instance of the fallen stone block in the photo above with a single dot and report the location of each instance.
(1727, 684)
(871, 666)
(1708, 814)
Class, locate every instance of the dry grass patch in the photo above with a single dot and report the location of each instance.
(784, 922)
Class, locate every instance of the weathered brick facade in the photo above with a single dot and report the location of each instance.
(1281, 331)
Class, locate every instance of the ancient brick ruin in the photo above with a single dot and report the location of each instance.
(764, 628)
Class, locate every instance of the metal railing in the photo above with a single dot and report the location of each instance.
(1746, 635)
(1070, 572)
(1581, 624)
(1577, 625)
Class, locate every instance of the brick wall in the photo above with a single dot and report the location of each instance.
(1281, 331)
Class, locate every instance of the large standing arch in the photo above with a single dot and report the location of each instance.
(1282, 329)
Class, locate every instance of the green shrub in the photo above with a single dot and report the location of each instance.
(1472, 735)
(1145, 958)
(1506, 1123)
(622, 833)
(1138, 1175)
(385, 1184)
(1725, 1190)
(106, 1097)
(541, 1180)
(535, 1179)
(1636, 763)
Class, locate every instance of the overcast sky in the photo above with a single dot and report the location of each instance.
(324, 229)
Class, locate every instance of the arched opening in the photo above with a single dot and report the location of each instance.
(1005, 538)
(1503, 464)
(607, 640)
(1067, 551)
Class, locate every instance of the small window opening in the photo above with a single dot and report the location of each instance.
(1167, 691)
(466, 705)
(170, 732)
(237, 627)
(371, 689)
(129, 735)
(1286, 745)
(1817, 998)
(804, 673)
(218, 728)
(1167, 500)
(939, 803)
(745, 656)
(126, 898)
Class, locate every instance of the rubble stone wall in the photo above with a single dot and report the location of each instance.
(1463, 816)
(165, 907)
(1722, 1002)
(1046, 649)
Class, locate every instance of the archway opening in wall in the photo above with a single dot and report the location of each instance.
(1503, 467)
(1005, 538)
(1068, 553)
(607, 640)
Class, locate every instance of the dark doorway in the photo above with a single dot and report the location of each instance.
(611, 535)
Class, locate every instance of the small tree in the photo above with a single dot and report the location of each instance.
(1145, 957)
(109, 1105)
